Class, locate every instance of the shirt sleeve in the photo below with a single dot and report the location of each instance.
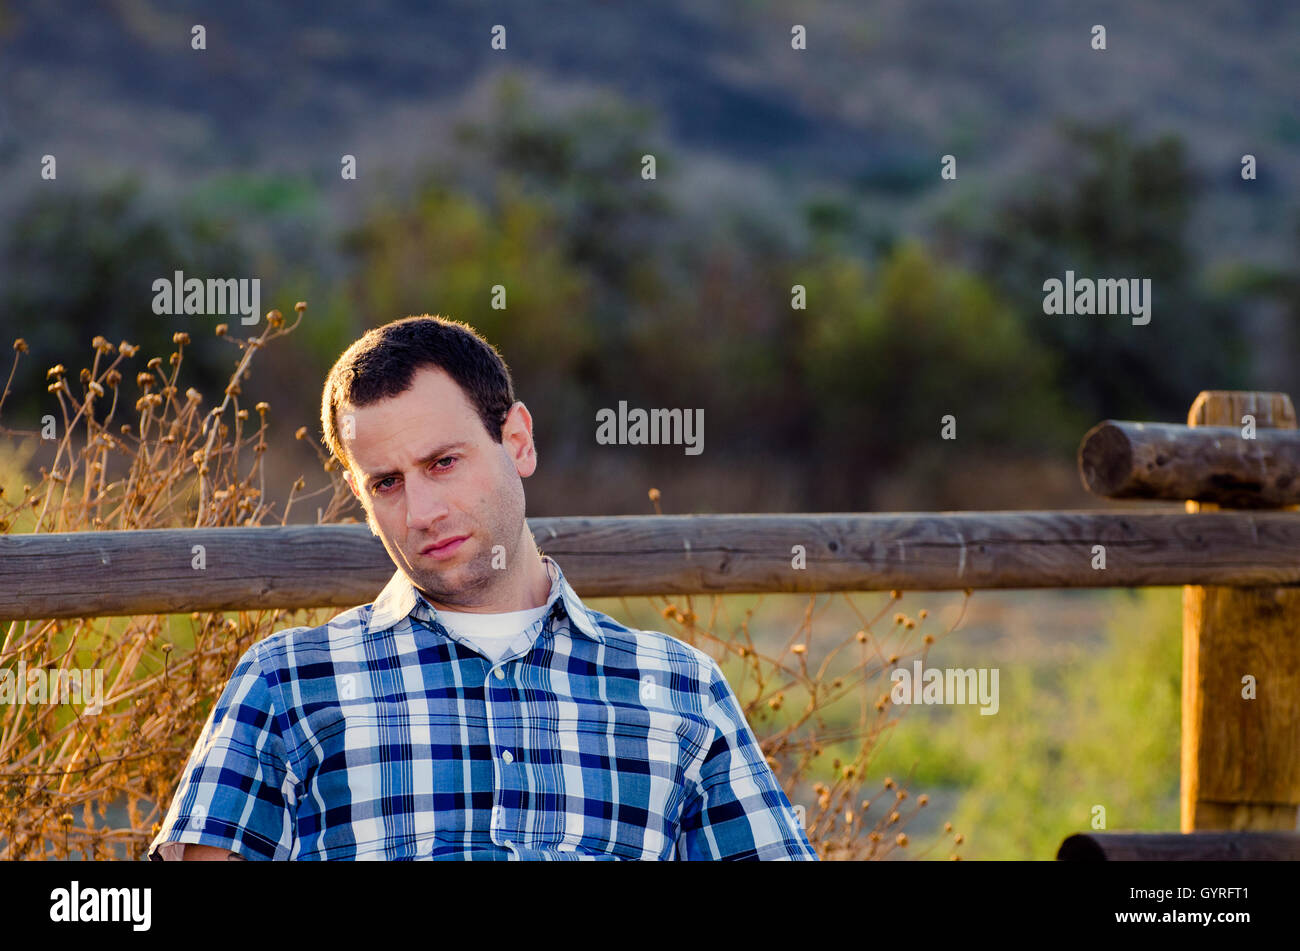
(237, 790)
(736, 808)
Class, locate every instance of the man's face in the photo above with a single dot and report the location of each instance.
(438, 490)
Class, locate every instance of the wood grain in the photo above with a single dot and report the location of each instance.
(1126, 460)
(150, 571)
(1240, 756)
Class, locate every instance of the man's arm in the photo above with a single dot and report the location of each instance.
(736, 808)
(236, 791)
(209, 853)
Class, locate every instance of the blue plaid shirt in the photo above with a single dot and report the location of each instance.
(382, 735)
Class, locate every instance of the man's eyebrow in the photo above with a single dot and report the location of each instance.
(424, 460)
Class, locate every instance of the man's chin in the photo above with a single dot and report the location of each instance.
(446, 579)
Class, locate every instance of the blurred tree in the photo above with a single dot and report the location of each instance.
(586, 163)
(888, 354)
(1103, 205)
(76, 263)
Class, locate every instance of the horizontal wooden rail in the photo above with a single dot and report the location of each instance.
(1180, 847)
(155, 571)
(1124, 460)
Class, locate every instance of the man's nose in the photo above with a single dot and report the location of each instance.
(424, 503)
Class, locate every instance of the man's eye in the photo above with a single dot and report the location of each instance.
(380, 484)
(444, 459)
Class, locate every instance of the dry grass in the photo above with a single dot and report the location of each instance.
(164, 461)
(836, 707)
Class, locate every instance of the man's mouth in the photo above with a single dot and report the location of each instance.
(445, 548)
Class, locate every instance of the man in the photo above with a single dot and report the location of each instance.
(476, 709)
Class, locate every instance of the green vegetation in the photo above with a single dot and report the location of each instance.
(1101, 729)
(620, 288)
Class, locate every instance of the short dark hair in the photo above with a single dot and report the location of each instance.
(382, 364)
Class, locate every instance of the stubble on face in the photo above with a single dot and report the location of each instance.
(497, 520)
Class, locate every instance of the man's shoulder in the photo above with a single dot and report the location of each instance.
(292, 648)
(650, 645)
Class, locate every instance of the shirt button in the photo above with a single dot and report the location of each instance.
(506, 757)
(500, 674)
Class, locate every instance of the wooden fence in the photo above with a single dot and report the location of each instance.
(1235, 467)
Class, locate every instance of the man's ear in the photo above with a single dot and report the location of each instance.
(517, 438)
(350, 479)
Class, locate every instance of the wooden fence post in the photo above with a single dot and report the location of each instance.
(1240, 757)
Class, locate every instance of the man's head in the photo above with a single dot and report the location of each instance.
(422, 414)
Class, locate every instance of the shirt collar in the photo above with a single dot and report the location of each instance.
(400, 599)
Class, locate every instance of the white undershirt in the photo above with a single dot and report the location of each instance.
(491, 634)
